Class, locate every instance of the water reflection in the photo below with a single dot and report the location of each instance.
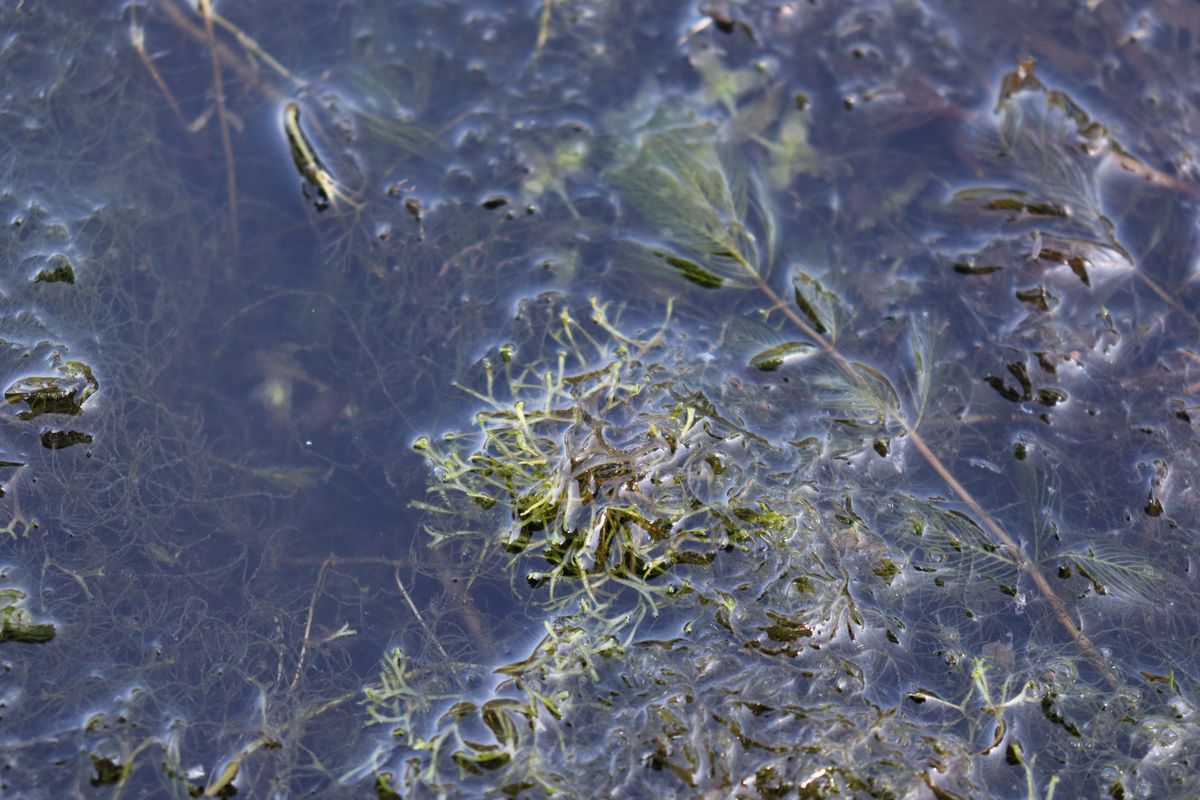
(866, 472)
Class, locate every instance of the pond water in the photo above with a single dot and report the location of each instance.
(624, 398)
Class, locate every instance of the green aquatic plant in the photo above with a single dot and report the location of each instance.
(783, 642)
(604, 461)
(741, 570)
(804, 577)
(1046, 158)
(686, 193)
(712, 214)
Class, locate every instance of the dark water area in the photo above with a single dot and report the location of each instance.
(783, 399)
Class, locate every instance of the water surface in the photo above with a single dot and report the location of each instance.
(798, 398)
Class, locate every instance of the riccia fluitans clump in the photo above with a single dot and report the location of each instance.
(605, 457)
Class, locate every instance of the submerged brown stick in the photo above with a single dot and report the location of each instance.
(222, 118)
(253, 47)
(137, 36)
(246, 72)
(420, 618)
(312, 610)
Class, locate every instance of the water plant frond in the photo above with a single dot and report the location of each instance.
(704, 204)
(820, 306)
(952, 547)
(1112, 570)
(757, 344)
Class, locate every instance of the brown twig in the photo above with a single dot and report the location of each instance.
(137, 36)
(1168, 298)
(544, 24)
(228, 58)
(253, 47)
(335, 560)
(312, 610)
(417, 613)
(205, 8)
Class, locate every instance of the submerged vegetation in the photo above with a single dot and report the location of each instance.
(678, 410)
(607, 464)
(979, 628)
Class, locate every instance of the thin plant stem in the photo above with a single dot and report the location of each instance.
(544, 24)
(222, 118)
(312, 608)
(246, 41)
(246, 72)
(420, 617)
(989, 522)
(137, 37)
